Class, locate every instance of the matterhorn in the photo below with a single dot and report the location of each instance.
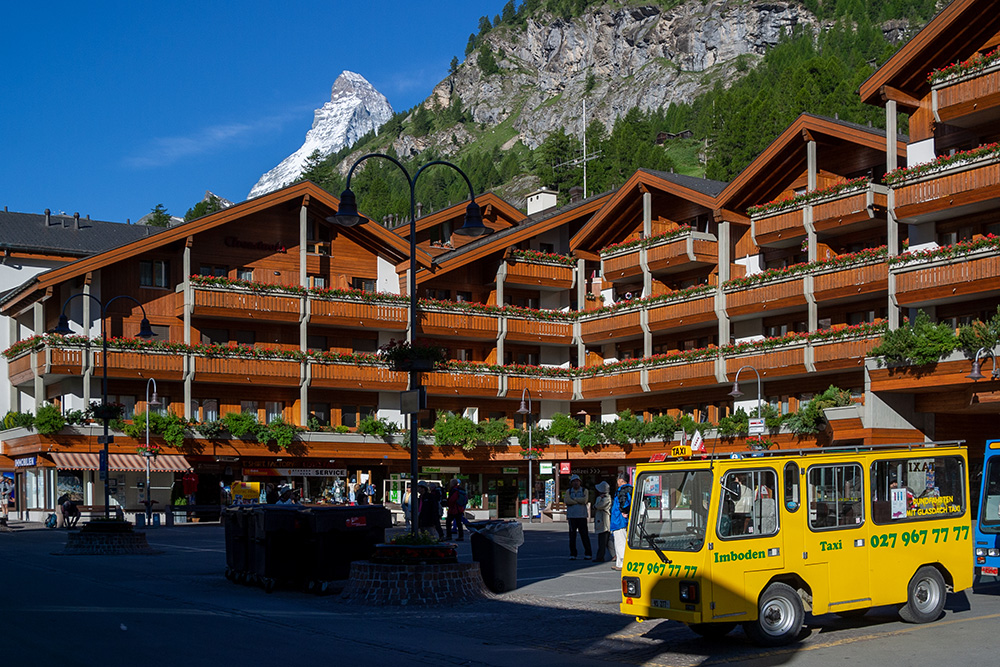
(355, 109)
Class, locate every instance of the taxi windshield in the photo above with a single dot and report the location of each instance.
(669, 510)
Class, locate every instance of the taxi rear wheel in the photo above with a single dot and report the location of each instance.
(925, 596)
(712, 630)
(779, 618)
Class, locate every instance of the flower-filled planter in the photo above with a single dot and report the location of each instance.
(415, 554)
(153, 450)
(404, 356)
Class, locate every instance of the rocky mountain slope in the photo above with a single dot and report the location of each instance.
(355, 108)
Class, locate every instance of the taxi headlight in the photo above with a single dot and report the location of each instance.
(689, 591)
(980, 552)
(630, 587)
(994, 552)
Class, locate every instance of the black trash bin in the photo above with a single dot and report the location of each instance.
(494, 547)
(340, 535)
(278, 542)
(236, 521)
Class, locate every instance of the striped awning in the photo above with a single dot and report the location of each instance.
(119, 462)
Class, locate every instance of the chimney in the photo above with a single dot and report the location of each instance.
(541, 199)
(575, 194)
(48, 217)
(76, 220)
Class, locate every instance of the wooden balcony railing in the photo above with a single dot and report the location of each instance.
(540, 387)
(558, 276)
(539, 331)
(682, 253)
(919, 282)
(967, 95)
(244, 304)
(134, 364)
(607, 327)
(19, 370)
(842, 355)
(460, 324)
(359, 314)
(868, 279)
(682, 376)
(349, 376)
(465, 384)
(770, 363)
(228, 370)
(960, 185)
(766, 298)
(850, 208)
(611, 384)
(620, 267)
(779, 228)
(671, 314)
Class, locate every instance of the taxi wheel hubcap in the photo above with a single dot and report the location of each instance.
(926, 595)
(777, 616)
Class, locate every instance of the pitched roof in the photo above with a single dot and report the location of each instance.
(501, 208)
(953, 35)
(66, 235)
(705, 186)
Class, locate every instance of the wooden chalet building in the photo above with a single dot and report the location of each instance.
(649, 299)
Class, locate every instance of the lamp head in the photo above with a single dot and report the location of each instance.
(473, 225)
(63, 327)
(523, 410)
(154, 402)
(145, 331)
(975, 374)
(347, 215)
(736, 393)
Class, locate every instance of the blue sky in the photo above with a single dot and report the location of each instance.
(110, 108)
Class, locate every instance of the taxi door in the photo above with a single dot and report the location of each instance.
(835, 546)
(747, 548)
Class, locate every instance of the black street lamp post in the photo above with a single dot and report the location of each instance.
(347, 216)
(145, 331)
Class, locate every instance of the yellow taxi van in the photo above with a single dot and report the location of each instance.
(763, 538)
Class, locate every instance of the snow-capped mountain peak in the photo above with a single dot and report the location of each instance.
(355, 108)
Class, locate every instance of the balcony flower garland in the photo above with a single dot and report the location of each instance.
(296, 290)
(645, 242)
(988, 242)
(975, 64)
(511, 369)
(417, 356)
(542, 257)
(687, 292)
(866, 256)
(811, 195)
(898, 176)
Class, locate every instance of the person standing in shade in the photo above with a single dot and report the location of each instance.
(428, 510)
(602, 520)
(620, 505)
(458, 500)
(406, 506)
(576, 499)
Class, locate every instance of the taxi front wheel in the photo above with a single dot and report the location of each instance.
(779, 619)
(925, 596)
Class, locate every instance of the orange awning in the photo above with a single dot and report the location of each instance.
(119, 462)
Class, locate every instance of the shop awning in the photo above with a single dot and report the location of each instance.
(119, 462)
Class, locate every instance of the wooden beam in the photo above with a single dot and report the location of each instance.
(899, 97)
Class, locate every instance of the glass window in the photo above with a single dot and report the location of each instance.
(989, 513)
(244, 273)
(918, 488)
(792, 486)
(274, 410)
(154, 273)
(210, 409)
(349, 416)
(464, 297)
(248, 407)
(127, 403)
(320, 412)
(364, 344)
(314, 342)
(364, 284)
(748, 504)
(835, 496)
(163, 408)
(161, 331)
(214, 336)
(671, 510)
(317, 282)
(244, 337)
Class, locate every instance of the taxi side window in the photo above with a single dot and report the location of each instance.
(918, 488)
(836, 495)
(792, 501)
(748, 504)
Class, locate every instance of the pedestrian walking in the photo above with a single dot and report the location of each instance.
(270, 494)
(619, 518)
(6, 489)
(406, 504)
(190, 483)
(429, 510)
(458, 500)
(576, 498)
(602, 520)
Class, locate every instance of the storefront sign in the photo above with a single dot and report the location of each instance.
(296, 472)
(26, 462)
(544, 468)
(510, 471)
(440, 469)
(564, 468)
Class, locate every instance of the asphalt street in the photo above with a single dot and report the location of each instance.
(176, 607)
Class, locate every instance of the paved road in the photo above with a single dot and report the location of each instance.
(177, 608)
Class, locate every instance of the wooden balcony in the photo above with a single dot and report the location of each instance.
(349, 376)
(245, 305)
(971, 186)
(621, 266)
(130, 363)
(781, 229)
(19, 369)
(540, 387)
(601, 328)
(537, 274)
(851, 210)
(226, 370)
(539, 331)
(843, 355)
(673, 314)
(855, 281)
(458, 324)
(689, 251)
(358, 314)
(766, 298)
(464, 384)
(611, 384)
(965, 100)
(683, 375)
(977, 274)
(779, 362)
